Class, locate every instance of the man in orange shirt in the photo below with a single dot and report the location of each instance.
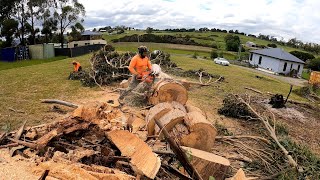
(140, 67)
(76, 66)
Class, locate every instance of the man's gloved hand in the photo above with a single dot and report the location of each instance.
(156, 69)
(139, 76)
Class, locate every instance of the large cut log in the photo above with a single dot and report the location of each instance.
(168, 90)
(143, 160)
(170, 119)
(208, 164)
(191, 108)
(202, 132)
(159, 110)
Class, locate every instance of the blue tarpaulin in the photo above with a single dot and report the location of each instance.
(8, 54)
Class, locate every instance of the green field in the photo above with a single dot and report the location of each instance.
(10, 65)
(23, 87)
(215, 37)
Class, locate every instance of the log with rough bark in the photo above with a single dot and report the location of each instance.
(158, 111)
(202, 132)
(143, 160)
(208, 164)
(168, 90)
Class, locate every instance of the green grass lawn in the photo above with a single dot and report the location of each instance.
(21, 88)
(305, 75)
(16, 64)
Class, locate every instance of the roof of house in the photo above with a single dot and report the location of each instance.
(90, 33)
(278, 53)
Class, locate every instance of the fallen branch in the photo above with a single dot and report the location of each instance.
(288, 94)
(17, 111)
(272, 134)
(239, 137)
(44, 175)
(20, 131)
(175, 171)
(254, 90)
(163, 152)
(55, 101)
(27, 144)
(181, 156)
(9, 145)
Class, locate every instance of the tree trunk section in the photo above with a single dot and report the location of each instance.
(169, 120)
(158, 111)
(202, 132)
(208, 164)
(167, 91)
(143, 160)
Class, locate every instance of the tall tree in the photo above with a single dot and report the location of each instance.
(9, 29)
(35, 8)
(49, 25)
(67, 13)
(76, 31)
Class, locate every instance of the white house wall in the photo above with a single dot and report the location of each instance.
(266, 62)
(294, 66)
(274, 65)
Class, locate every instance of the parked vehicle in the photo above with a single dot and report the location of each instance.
(221, 61)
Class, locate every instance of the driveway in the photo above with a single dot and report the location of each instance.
(289, 80)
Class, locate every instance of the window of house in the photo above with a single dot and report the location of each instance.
(285, 66)
(251, 56)
(86, 44)
(260, 59)
(299, 68)
(291, 67)
(75, 45)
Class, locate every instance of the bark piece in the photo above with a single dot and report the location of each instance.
(168, 91)
(202, 132)
(208, 164)
(143, 160)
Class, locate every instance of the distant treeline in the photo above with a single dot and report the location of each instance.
(157, 39)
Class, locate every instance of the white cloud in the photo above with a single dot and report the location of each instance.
(286, 18)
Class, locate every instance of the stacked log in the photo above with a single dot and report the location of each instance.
(176, 117)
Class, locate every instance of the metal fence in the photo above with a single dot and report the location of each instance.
(77, 51)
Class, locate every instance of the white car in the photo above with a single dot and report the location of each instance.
(221, 61)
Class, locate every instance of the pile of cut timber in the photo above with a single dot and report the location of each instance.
(102, 141)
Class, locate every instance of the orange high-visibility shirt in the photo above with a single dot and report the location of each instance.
(76, 67)
(139, 65)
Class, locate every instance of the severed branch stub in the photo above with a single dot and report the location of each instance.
(181, 156)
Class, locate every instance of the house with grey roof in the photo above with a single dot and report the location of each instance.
(88, 38)
(276, 60)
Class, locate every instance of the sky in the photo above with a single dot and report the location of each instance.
(280, 18)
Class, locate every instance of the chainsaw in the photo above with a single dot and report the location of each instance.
(147, 77)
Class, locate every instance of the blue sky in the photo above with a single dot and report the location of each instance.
(280, 18)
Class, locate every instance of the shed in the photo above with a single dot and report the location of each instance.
(42, 51)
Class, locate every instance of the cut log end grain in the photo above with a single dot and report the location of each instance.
(143, 160)
(170, 119)
(202, 132)
(168, 91)
(208, 164)
(158, 111)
